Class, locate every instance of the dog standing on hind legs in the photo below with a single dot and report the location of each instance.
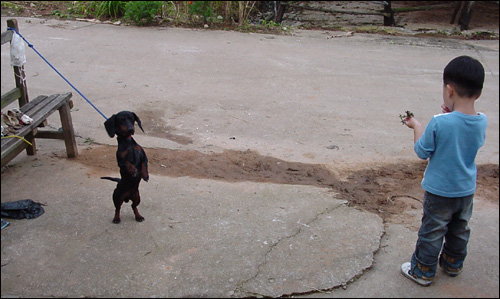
(131, 159)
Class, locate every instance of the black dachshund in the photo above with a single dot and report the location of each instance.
(131, 159)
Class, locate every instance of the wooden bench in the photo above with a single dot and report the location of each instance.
(39, 110)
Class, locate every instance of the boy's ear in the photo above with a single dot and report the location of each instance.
(450, 90)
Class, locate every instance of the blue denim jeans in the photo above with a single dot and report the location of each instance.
(444, 219)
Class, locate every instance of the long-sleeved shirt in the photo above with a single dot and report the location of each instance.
(451, 142)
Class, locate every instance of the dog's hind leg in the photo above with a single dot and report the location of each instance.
(136, 200)
(117, 200)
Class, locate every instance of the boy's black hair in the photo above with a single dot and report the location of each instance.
(466, 74)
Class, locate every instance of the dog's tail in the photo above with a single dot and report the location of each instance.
(111, 179)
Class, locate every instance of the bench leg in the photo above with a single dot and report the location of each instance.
(68, 132)
(31, 149)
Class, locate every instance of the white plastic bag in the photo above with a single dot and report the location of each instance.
(17, 56)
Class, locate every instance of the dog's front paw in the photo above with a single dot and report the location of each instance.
(145, 173)
(139, 219)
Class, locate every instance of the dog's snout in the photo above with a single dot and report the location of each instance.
(130, 127)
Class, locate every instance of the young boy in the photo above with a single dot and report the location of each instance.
(450, 141)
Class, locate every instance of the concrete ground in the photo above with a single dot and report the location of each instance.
(305, 97)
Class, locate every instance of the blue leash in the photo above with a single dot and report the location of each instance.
(31, 46)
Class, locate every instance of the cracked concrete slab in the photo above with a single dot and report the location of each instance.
(328, 252)
(200, 238)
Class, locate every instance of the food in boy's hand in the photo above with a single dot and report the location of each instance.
(406, 116)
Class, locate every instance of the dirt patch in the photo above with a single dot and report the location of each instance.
(159, 128)
(390, 190)
(485, 14)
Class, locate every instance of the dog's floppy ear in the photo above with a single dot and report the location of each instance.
(138, 121)
(109, 124)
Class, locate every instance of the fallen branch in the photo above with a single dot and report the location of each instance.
(391, 197)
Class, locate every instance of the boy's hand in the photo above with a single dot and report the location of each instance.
(405, 117)
(445, 109)
(412, 123)
(409, 120)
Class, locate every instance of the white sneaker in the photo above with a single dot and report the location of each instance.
(405, 269)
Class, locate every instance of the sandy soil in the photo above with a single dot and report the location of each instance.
(388, 189)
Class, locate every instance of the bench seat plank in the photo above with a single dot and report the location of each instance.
(39, 110)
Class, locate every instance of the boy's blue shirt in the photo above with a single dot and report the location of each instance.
(451, 141)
